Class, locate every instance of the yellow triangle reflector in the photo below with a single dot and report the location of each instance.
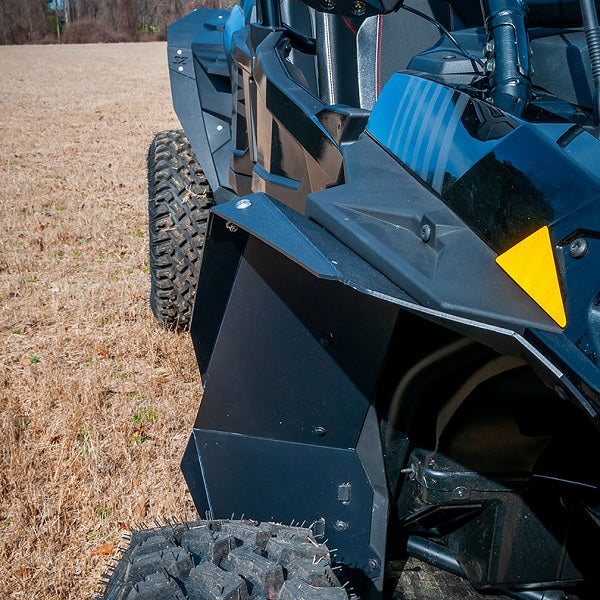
(531, 264)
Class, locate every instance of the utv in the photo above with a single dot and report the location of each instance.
(397, 318)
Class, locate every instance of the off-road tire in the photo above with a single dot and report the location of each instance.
(224, 560)
(179, 199)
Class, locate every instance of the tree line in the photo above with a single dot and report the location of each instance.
(46, 21)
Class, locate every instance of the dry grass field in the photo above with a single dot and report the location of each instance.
(96, 402)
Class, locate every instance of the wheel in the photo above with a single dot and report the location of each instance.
(178, 207)
(224, 560)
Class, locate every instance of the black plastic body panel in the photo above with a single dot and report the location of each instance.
(201, 91)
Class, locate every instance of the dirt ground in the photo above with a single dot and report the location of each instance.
(96, 402)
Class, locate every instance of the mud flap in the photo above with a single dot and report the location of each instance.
(290, 357)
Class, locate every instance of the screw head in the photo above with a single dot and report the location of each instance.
(425, 232)
(460, 492)
(578, 248)
(320, 431)
(232, 227)
(327, 4)
(373, 564)
(340, 525)
(243, 203)
(359, 8)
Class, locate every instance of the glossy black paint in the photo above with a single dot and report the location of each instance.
(505, 178)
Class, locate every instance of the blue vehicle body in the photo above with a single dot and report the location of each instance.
(397, 318)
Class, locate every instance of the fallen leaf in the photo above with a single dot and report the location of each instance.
(102, 350)
(104, 549)
(25, 362)
(123, 525)
(162, 379)
(140, 510)
(23, 571)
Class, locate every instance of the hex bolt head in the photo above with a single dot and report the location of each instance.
(426, 232)
(578, 248)
(243, 203)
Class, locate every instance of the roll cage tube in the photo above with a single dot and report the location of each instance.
(508, 46)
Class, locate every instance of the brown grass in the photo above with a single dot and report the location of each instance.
(96, 402)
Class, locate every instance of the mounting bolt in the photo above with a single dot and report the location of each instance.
(578, 248)
(340, 525)
(426, 232)
(460, 492)
(373, 564)
(243, 203)
(231, 227)
(326, 340)
(320, 431)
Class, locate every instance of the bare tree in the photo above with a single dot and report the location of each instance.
(23, 21)
(126, 17)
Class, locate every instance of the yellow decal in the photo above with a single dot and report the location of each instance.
(531, 264)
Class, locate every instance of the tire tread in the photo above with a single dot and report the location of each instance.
(179, 201)
(224, 560)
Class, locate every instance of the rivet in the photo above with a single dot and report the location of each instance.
(373, 564)
(578, 248)
(219, 127)
(243, 203)
(180, 69)
(179, 52)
